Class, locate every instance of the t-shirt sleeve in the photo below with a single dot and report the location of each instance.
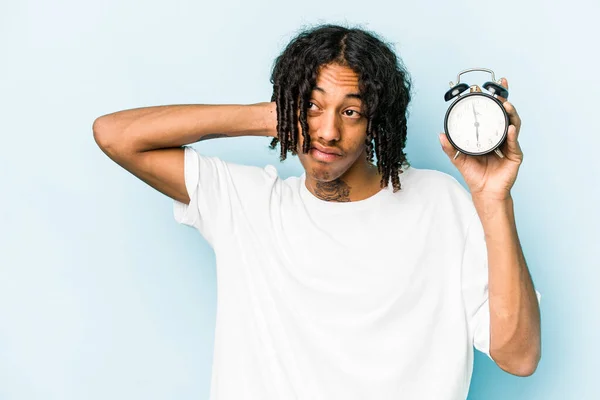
(219, 191)
(475, 286)
(203, 184)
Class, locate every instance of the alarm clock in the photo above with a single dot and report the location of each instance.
(476, 123)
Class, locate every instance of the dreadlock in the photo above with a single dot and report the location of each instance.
(384, 86)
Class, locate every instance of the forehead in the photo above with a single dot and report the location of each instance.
(338, 77)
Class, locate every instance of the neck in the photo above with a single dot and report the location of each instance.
(352, 186)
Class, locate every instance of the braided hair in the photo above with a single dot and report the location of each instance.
(384, 86)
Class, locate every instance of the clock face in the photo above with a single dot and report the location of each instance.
(476, 123)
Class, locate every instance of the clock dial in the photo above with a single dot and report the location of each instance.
(476, 124)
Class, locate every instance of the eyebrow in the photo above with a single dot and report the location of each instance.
(349, 95)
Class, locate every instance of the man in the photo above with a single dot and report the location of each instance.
(334, 285)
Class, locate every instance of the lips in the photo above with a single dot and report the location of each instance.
(323, 157)
(326, 150)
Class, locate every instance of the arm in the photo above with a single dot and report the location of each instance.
(515, 343)
(147, 141)
(514, 310)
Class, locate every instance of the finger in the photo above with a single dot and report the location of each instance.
(513, 148)
(503, 83)
(513, 116)
(447, 147)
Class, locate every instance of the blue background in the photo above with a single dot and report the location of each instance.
(104, 296)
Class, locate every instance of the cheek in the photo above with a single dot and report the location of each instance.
(359, 144)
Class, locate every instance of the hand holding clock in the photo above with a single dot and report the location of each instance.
(488, 175)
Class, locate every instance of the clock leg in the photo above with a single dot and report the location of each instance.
(499, 153)
(456, 155)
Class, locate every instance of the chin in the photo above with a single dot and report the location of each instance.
(322, 176)
(324, 173)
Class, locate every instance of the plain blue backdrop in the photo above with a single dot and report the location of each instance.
(104, 296)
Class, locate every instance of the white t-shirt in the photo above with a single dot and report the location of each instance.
(382, 298)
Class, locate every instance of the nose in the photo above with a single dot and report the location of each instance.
(329, 128)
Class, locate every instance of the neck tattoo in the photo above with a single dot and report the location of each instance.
(336, 190)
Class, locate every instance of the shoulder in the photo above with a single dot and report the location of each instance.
(431, 186)
(431, 180)
(230, 169)
(216, 176)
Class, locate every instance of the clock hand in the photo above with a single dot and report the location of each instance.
(476, 123)
(475, 113)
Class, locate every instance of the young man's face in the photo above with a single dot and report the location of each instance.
(336, 125)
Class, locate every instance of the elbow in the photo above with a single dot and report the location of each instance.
(103, 135)
(524, 365)
(523, 369)
(108, 137)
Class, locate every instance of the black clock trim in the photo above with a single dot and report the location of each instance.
(502, 140)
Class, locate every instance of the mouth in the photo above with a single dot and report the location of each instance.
(323, 156)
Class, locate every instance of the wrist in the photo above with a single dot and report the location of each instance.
(489, 196)
(268, 111)
(488, 206)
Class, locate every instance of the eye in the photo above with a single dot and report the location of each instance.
(351, 113)
(310, 105)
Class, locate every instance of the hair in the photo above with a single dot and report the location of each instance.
(384, 86)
